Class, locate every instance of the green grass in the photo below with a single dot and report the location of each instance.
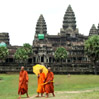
(63, 83)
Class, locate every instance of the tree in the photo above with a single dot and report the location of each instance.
(28, 49)
(23, 53)
(3, 53)
(60, 54)
(92, 50)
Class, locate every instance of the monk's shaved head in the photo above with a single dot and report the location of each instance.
(49, 68)
(41, 70)
(22, 68)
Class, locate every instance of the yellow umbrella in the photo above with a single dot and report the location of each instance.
(37, 67)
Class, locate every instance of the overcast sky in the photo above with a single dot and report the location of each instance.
(19, 17)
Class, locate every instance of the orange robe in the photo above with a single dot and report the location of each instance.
(41, 80)
(23, 79)
(49, 87)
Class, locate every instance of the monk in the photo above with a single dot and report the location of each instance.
(41, 79)
(23, 83)
(49, 87)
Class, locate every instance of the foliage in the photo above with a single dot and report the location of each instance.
(60, 53)
(92, 47)
(28, 48)
(23, 53)
(3, 53)
(92, 50)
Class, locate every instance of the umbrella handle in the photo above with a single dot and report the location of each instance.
(46, 83)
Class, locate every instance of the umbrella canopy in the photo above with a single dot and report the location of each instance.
(37, 67)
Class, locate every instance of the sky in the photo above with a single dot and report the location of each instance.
(19, 17)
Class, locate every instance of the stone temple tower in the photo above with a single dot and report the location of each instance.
(69, 23)
(4, 37)
(93, 30)
(41, 26)
(41, 48)
(41, 30)
(69, 19)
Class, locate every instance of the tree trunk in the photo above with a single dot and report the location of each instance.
(95, 67)
(61, 66)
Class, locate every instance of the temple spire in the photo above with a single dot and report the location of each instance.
(69, 18)
(93, 30)
(69, 9)
(41, 26)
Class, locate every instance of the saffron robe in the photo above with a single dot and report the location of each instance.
(41, 80)
(23, 80)
(49, 87)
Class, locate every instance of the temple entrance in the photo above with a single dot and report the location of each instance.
(42, 59)
(49, 59)
(34, 60)
(30, 60)
(11, 60)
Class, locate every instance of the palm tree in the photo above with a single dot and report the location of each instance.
(92, 50)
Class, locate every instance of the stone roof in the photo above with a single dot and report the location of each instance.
(69, 18)
(53, 36)
(41, 27)
(4, 37)
(93, 30)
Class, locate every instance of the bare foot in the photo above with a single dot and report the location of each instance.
(46, 96)
(28, 97)
(53, 94)
(19, 97)
(37, 96)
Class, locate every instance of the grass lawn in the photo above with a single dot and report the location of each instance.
(73, 87)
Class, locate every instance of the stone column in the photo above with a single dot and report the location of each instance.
(36, 59)
(48, 59)
(45, 59)
(39, 59)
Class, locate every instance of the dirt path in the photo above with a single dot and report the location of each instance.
(31, 97)
(62, 92)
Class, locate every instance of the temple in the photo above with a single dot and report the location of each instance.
(44, 46)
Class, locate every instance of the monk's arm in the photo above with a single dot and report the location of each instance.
(27, 78)
(52, 77)
(43, 77)
(19, 76)
(38, 75)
